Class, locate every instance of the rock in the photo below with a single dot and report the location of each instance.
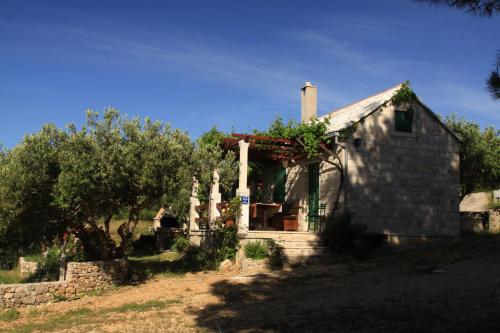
(439, 270)
(226, 266)
(29, 300)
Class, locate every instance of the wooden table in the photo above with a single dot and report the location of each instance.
(266, 208)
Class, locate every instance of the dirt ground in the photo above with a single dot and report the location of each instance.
(407, 292)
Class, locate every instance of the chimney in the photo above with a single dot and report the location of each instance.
(309, 102)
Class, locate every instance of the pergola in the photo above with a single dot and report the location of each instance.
(263, 148)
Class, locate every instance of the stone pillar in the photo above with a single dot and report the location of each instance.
(243, 191)
(215, 198)
(193, 202)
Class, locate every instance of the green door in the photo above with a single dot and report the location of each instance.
(279, 192)
(313, 196)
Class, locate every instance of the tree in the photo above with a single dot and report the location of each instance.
(29, 217)
(78, 179)
(493, 81)
(475, 7)
(482, 8)
(479, 156)
(211, 156)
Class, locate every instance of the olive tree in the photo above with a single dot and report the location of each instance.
(78, 179)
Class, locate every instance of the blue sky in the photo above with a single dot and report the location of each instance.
(236, 64)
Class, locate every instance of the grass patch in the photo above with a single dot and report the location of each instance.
(85, 316)
(9, 277)
(9, 315)
(255, 250)
(163, 264)
(140, 307)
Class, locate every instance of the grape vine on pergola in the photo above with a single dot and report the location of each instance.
(266, 148)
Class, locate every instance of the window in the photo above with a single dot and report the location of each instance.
(404, 121)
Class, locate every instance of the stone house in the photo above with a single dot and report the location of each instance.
(401, 170)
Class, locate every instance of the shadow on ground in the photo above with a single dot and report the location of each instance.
(450, 287)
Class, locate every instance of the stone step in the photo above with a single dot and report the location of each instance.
(309, 243)
(284, 235)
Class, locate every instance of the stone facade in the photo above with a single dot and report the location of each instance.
(399, 184)
(81, 277)
(404, 184)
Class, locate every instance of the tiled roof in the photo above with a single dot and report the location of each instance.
(344, 117)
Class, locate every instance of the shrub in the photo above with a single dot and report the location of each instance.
(48, 268)
(219, 244)
(181, 244)
(343, 236)
(275, 253)
(351, 239)
(255, 250)
(145, 244)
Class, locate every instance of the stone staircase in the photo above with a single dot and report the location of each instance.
(299, 247)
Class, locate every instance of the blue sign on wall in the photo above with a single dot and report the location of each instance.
(244, 200)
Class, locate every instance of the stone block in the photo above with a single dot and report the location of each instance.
(29, 300)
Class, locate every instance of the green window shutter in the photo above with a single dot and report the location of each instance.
(404, 121)
(279, 192)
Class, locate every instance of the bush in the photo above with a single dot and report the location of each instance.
(145, 244)
(275, 253)
(351, 239)
(48, 268)
(181, 244)
(255, 250)
(343, 236)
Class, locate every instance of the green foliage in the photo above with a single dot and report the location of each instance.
(181, 244)
(145, 244)
(255, 250)
(9, 315)
(275, 253)
(479, 156)
(310, 135)
(234, 210)
(493, 81)
(474, 7)
(404, 96)
(56, 180)
(344, 237)
(210, 156)
(224, 243)
(48, 268)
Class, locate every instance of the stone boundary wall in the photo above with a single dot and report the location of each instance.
(480, 221)
(27, 268)
(81, 277)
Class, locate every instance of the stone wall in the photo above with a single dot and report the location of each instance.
(26, 268)
(404, 183)
(480, 221)
(81, 277)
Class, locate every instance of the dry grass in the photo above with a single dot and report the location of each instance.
(142, 228)
(12, 276)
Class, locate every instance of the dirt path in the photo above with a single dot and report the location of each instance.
(462, 297)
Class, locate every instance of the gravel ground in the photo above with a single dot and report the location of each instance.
(389, 295)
